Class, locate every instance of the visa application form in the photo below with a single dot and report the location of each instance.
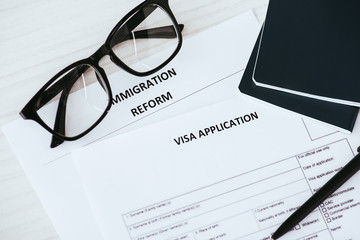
(233, 170)
(196, 77)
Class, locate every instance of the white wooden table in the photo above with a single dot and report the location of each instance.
(40, 37)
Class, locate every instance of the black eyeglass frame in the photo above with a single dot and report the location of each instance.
(30, 110)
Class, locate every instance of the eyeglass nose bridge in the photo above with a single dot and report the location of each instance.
(100, 53)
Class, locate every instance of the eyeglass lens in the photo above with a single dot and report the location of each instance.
(151, 40)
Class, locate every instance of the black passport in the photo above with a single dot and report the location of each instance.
(312, 48)
(338, 115)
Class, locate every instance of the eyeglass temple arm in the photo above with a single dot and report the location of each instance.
(126, 32)
(60, 120)
(159, 32)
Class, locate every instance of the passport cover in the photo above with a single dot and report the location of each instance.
(338, 115)
(312, 48)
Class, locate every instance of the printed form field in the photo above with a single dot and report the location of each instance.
(260, 200)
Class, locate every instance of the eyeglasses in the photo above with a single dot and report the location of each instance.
(78, 98)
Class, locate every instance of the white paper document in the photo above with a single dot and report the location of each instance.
(233, 170)
(206, 70)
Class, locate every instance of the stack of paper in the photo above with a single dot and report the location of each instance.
(233, 170)
(207, 71)
(307, 53)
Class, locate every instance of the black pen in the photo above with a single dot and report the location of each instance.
(316, 199)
